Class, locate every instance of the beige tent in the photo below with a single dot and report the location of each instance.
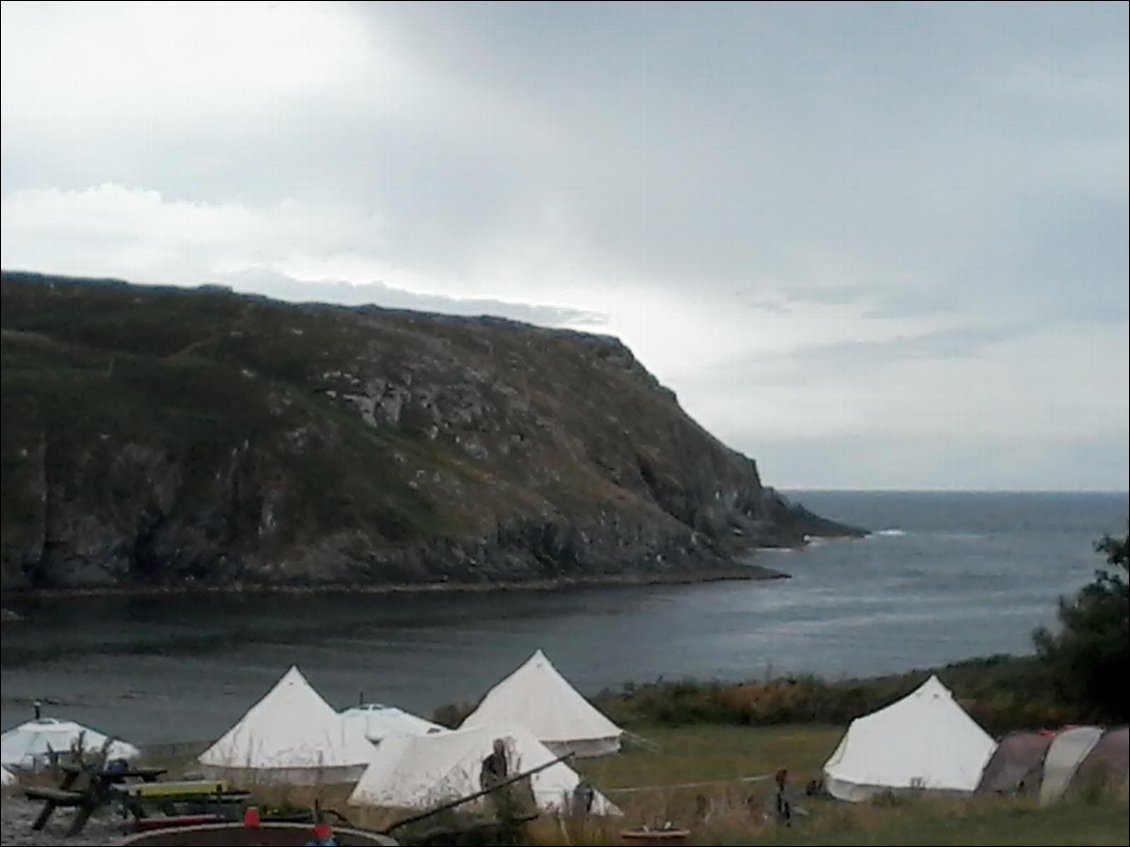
(291, 736)
(379, 722)
(537, 697)
(924, 741)
(1066, 752)
(30, 745)
(423, 771)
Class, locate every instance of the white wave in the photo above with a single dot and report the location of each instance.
(890, 533)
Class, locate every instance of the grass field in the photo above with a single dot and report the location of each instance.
(697, 757)
(717, 781)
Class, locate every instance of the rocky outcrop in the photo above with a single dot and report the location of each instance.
(176, 437)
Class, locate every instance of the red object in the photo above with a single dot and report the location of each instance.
(323, 830)
(251, 817)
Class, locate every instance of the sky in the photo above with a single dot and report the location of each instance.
(870, 245)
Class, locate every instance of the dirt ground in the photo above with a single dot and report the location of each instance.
(18, 813)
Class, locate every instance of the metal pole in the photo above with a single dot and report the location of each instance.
(475, 796)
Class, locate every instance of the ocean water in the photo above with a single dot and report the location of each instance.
(943, 577)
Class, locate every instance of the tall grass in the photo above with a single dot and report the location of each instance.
(1001, 693)
(715, 780)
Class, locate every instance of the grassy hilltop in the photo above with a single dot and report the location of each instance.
(173, 437)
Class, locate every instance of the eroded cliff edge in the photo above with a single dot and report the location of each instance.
(187, 437)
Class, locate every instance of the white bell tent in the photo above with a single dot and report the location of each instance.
(31, 744)
(423, 771)
(379, 722)
(924, 741)
(537, 697)
(291, 736)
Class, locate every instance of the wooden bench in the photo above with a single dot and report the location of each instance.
(177, 798)
(56, 796)
(185, 787)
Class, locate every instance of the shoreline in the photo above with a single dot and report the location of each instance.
(744, 573)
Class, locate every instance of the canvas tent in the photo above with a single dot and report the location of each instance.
(1083, 757)
(540, 699)
(378, 722)
(7, 778)
(31, 744)
(924, 741)
(1108, 763)
(290, 736)
(1017, 765)
(423, 771)
(1066, 752)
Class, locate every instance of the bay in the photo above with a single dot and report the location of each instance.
(944, 577)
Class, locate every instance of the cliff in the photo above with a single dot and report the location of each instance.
(181, 437)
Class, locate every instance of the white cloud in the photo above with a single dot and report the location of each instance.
(114, 230)
(68, 65)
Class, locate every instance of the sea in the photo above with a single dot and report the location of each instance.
(943, 576)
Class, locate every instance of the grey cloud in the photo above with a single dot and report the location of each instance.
(815, 362)
(964, 162)
(707, 147)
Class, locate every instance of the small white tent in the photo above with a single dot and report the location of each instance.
(291, 736)
(540, 699)
(422, 771)
(379, 722)
(30, 744)
(923, 741)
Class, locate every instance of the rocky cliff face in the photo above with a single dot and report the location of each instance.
(176, 437)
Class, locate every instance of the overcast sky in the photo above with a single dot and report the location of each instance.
(869, 245)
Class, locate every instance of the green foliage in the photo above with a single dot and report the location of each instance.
(1002, 693)
(1089, 657)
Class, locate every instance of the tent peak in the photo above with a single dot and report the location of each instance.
(933, 687)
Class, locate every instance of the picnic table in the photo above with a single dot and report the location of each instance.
(181, 802)
(86, 795)
(137, 793)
